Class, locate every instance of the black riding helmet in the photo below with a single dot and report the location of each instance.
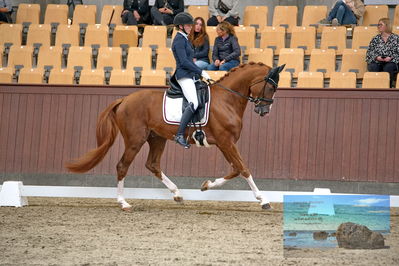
(183, 18)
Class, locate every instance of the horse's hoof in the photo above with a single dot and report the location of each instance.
(127, 209)
(204, 185)
(178, 199)
(267, 206)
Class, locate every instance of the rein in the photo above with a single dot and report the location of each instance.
(251, 99)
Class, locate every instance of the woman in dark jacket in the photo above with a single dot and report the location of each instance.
(200, 41)
(136, 12)
(226, 50)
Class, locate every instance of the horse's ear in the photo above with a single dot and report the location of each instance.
(280, 68)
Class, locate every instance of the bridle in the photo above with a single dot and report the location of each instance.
(256, 100)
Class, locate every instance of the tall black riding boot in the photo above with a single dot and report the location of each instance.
(185, 119)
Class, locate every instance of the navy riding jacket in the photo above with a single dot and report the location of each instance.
(183, 52)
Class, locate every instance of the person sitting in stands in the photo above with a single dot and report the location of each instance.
(164, 11)
(5, 11)
(200, 41)
(345, 12)
(226, 10)
(383, 52)
(226, 50)
(136, 12)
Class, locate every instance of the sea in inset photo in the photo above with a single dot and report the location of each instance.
(311, 221)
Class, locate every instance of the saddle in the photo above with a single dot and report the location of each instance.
(175, 91)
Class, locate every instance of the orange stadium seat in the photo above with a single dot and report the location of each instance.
(61, 76)
(285, 16)
(10, 34)
(20, 56)
(39, 35)
(84, 15)
(125, 36)
(312, 15)
(293, 58)
(67, 36)
(354, 60)
(6, 75)
(154, 36)
(106, 14)
(199, 11)
(109, 57)
(28, 14)
(96, 36)
(395, 29)
(362, 36)
(56, 15)
(246, 38)
(375, 80)
(79, 57)
(343, 80)
(49, 57)
(91, 77)
(333, 38)
(139, 58)
(396, 16)
(264, 56)
(374, 13)
(273, 37)
(256, 16)
(322, 60)
(165, 60)
(153, 77)
(122, 77)
(31, 76)
(303, 37)
(285, 80)
(310, 80)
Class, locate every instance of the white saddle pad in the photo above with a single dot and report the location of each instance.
(172, 110)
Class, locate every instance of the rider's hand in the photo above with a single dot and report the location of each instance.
(205, 75)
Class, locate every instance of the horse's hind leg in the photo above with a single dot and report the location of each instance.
(132, 147)
(157, 146)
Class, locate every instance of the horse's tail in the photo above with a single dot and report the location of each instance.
(106, 132)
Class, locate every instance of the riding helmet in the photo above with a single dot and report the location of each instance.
(183, 18)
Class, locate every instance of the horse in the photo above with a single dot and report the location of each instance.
(139, 119)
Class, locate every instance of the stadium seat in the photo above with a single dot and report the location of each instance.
(285, 16)
(362, 36)
(1, 55)
(49, 57)
(109, 57)
(246, 38)
(153, 78)
(343, 80)
(96, 36)
(293, 58)
(322, 60)
(211, 31)
(61, 76)
(375, 80)
(312, 15)
(272, 37)
(84, 15)
(92, 77)
(28, 14)
(216, 75)
(122, 77)
(139, 58)
(397, 81)
(56, 15)
(199, 11)
(256, 16)
(354, 60)
(6, 75)
(373, 14)
(333, 38)
(10, 34)
(165, 60)
(303, 37)
(154, 36)
(39, 35)
(264, 56)
(285, 80)
(125, 36)
(79, 57)
(395, 29)
(106, 14)
(396, 16)
(31, 76)
(67, 36)
(310, 80)
(20, 57)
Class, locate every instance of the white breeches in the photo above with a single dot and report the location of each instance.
(189, 91)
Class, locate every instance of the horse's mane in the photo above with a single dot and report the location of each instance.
(239, 67)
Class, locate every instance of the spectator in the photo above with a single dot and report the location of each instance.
(226, 50)
(164, 11)
(226, 10)
(5, 11)
(136, 12)
(345, 12)
(200, 41)
(383, 52)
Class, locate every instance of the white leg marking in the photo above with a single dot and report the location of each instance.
(121, 199)
(170, 185)
(263, 200)
(217, 183)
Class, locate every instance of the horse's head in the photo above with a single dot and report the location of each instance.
(262, 91)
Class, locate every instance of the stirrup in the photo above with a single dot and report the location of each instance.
(182, 141)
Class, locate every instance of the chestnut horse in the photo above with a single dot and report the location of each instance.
(139, 118)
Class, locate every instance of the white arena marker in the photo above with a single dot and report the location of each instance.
(321, 191)
(11, 194)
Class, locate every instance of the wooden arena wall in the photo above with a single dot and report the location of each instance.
(311, 134)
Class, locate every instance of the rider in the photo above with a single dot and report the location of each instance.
(186, 71)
